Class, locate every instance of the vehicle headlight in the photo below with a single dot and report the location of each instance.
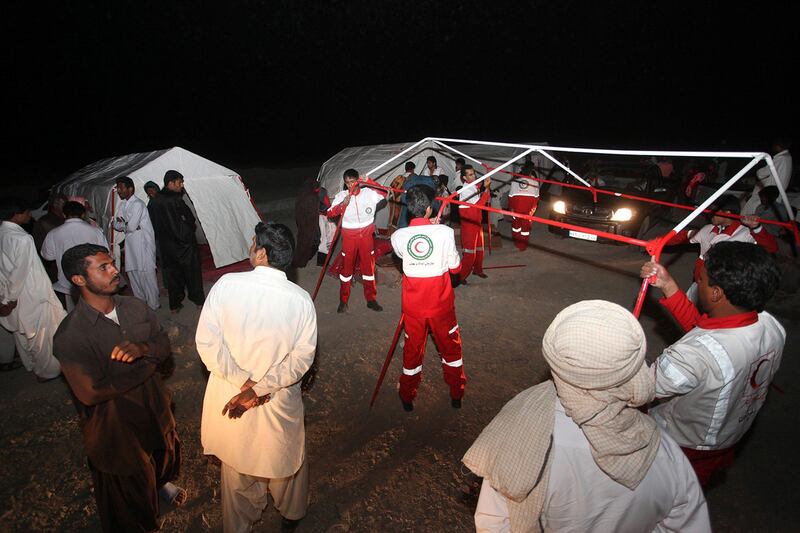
(622, 215)
(560, 207)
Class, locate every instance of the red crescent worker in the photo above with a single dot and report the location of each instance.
(523, 197)
(357, 208)
(472, 224)
(723, 229)
(716, 377)
(429, 256)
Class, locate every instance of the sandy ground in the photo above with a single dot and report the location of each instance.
(384, 469)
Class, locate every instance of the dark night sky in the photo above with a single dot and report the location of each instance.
(284, 82)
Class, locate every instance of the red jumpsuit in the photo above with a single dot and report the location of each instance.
(358, 226)
(429, 257)
(472, 231)
(523, 197)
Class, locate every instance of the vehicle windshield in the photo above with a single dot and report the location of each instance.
(617, 179)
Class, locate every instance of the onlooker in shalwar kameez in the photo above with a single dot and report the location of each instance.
(28, 306)
(72, 232)
(782, 159)
(716, 377)
(257, 336)
(132, 217)
(109, 348)
(574, 453)
(46, 223)
(175, 226)
(327, 229)
(306, 219)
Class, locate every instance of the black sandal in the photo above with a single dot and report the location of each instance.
(13, 365)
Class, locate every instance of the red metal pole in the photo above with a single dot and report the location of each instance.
(327, 258)
(387, 361)
(654, 248)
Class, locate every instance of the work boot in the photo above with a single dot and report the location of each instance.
(456, 403)
(407, 406)
(374, 305)
(321, 259)
(342, 307)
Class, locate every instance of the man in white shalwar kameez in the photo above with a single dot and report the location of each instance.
(257, 336)
(28, 306)
(72, 232)
(131, 216)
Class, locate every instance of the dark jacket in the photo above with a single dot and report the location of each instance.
(174, 226)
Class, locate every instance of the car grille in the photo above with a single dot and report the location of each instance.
(590, 211)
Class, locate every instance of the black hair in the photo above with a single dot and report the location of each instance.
(57, 196)
(125, 180)
(410, 166)
(770, 194)
(461, 160)
(73, 262)
(277, 240)
(727, 202)
(172, 175)
(444, 179)
(528, 169)
(350, 173)
(73, 209)
(464, 170)
(745, 272)
(432, 159)
(783, 142)
(10, 206)
(417, 200)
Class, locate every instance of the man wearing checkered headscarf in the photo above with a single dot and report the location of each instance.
(574, 453)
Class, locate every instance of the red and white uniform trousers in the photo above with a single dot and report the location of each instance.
(521, 227)
(358, 245)
(447, 336)
(472, 247)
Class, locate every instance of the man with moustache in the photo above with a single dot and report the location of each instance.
(109, 348)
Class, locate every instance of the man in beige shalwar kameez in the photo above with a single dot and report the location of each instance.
(257, 335)
(573, 453)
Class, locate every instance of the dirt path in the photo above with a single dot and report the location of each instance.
(384, 469)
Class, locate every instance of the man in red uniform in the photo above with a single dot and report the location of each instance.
(471, 224)
(721, 229)
(429, 257)
(357, 207)
(523, 198)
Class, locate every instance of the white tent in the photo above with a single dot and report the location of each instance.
(383, 162)
(219, 197)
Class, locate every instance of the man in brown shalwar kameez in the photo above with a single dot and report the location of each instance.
(109, 347)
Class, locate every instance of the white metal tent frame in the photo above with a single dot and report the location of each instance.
(653, 247)
(755, 158)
